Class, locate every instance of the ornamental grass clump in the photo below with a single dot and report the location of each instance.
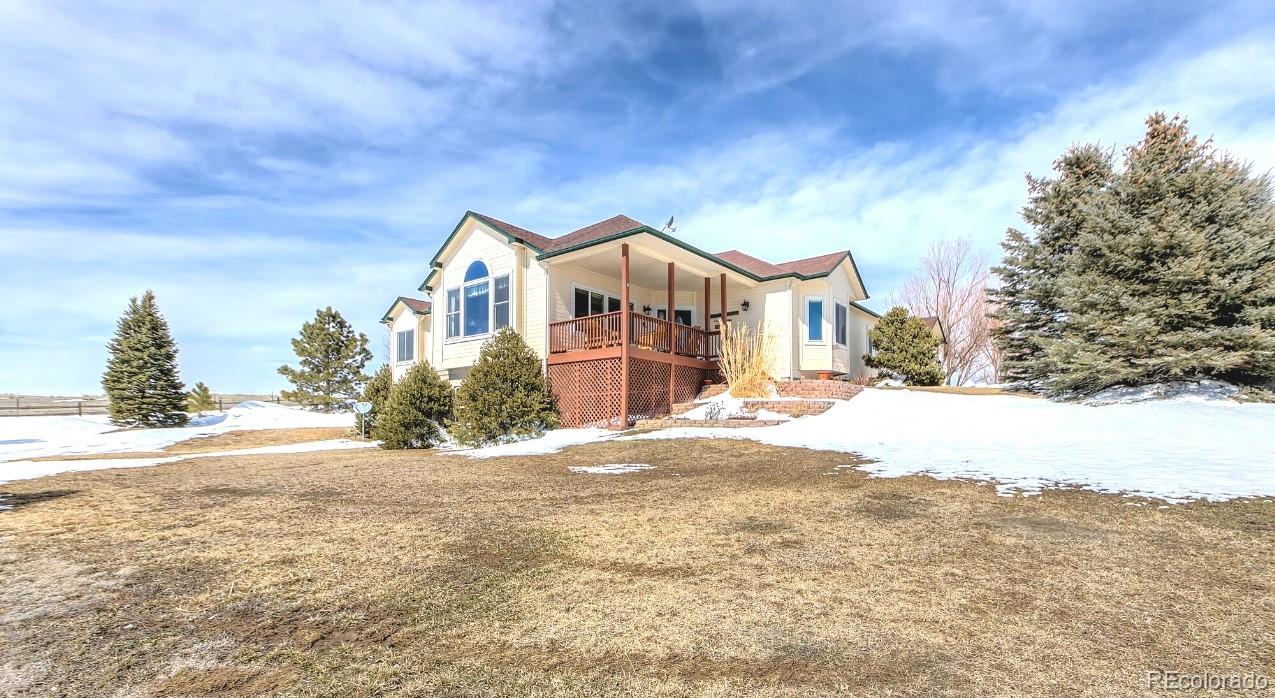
(746, 358)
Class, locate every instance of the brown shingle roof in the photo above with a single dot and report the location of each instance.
(810, 266)
(535, 239)
(601, 229)
(416, 305)
(749, 263)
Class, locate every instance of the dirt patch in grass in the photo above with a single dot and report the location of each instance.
(729, 567)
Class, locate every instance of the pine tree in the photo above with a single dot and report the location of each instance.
(1168, 273)
(1029, 295)
(141, 378)
(200, 399)
(332, 359)
(504, 396)
(377, 392)
(906, 348)
(416, 408)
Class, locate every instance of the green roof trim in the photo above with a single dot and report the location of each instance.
(696, 251)
(386, 317)
(869, 311)
(435, 265)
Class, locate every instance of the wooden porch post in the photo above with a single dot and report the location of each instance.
(708, 304)
(624, 336)
(723, 301)
(672, 336)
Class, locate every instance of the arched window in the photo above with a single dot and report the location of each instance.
(477, 270)
(479, 305)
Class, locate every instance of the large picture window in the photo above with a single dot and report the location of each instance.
(481, 305)
(593, 303)
(814, 319)
(405, 346)
(841, 318)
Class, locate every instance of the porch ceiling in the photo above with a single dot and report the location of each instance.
(648, 265)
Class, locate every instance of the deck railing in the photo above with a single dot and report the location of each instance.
(646, 332)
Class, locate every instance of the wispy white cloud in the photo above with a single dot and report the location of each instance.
(253, 162)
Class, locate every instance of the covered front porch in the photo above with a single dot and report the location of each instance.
(613, 359)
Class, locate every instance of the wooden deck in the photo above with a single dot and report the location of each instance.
(598, 381)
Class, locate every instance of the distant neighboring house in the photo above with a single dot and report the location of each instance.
(626, 317)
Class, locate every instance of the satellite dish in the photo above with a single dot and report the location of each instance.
(669, 227)
(362, 407)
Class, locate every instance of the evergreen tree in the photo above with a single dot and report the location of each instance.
(505, 394)
(906, 348)
(1168, 273)
(332, 359)
(200, 399)
(1028, 299)
(416, 408)
(141, 378)
(377, 392)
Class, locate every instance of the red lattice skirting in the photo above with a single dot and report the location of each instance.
(588, 392)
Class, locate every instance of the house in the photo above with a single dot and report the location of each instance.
(627, 318)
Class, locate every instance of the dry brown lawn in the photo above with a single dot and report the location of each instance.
(729, 568)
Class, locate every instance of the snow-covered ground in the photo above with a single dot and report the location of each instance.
(39, 437)
(1179, 449)
(26, 470)
(551, 442)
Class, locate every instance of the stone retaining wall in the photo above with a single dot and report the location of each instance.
(792, 408)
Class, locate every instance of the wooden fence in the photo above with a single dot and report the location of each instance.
(60, 407)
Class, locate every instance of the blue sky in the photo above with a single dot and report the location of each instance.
(251, 162)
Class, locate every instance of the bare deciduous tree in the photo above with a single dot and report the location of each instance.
(952, 286)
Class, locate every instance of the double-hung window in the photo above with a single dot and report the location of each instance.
(480, 305)
(406, 344)
(453, 313)
(500, 303)
(814, 319)
(841, 319)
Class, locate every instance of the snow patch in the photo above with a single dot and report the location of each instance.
(551, 442)
(40, 437)
(26, 470)
(1201, 390)
(610, 468)
(1174, 450)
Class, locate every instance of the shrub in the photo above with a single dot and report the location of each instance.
(200, 399)
(746, 358)
(905, 348)
(377, 391)
(416, 408)
(505, 395)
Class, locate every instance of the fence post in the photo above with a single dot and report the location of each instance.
(79, 409)
(220, 407)
(17, 407)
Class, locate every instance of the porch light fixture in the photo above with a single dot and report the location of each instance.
(646, 310)
(744, 306)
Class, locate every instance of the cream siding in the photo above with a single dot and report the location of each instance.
(475, 242)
